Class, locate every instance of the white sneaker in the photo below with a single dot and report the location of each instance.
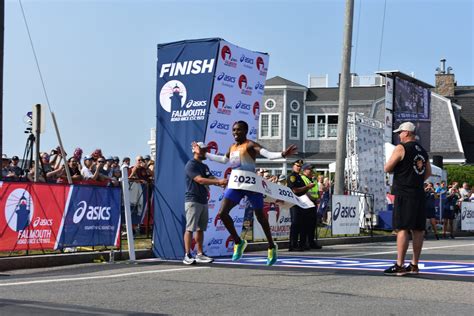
(202, 258)
(188, 259)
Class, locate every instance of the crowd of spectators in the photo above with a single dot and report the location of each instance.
(93, 169)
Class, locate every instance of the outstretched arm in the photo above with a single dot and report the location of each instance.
(291, 150)
(217, 158)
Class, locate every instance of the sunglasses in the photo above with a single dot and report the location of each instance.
(101, 161)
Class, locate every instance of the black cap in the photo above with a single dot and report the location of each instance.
(298, 162)
(15, 158)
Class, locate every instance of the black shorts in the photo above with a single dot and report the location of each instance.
(430, 212)
(448, 213)
(409, 213)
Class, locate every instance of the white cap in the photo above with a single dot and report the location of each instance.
(406, 126)
(201, 145)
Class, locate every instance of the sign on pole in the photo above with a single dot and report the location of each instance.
(345, 215)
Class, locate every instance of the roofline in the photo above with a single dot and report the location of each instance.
(453, 121)
(439, 96)
(286, 87)
(404, 76)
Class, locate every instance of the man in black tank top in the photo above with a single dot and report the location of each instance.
(410, 166)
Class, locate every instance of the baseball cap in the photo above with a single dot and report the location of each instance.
(201, 145)
(282, 177)
(406, 126)
(307, 166)
(109, 158)
(147, 157)
(15, 158)
(87, 157)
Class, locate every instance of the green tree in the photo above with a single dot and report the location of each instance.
(460, 174)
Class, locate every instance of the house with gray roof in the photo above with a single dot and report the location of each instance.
(308, 116)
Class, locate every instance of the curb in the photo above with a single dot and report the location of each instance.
(53, 260)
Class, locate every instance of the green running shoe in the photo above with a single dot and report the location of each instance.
(239, 250)
(272, 255)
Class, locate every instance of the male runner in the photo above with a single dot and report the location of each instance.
(242, 156)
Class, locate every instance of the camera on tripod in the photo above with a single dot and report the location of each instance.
(28, 119)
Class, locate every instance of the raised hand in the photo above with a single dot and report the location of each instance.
(291, 150)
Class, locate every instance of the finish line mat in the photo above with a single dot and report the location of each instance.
(426, 267)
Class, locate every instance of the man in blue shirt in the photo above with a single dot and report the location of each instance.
(198, 177)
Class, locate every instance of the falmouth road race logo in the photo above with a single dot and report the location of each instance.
(174, 100)
(173, 95)
(19, 209)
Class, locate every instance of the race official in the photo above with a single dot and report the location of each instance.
(312, 221)
(299, 216)
(197, 177)
(410, 166)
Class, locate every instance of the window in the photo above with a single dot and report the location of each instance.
(269, 125)
(294, 105)
(321, 126)
(270, 104)
(311, 131)
(294, 126)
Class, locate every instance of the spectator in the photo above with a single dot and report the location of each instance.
(449, 210)
(86, 170)
(140, 172)
(282, 180)
(151, 167)
(108, 167)
(5, 164)
(430, 207)
(442, 188)
(267, 174)
(126, 161)
(465, 192)
(78, 154)
(96, 154)
(73, 170)
(14, 171)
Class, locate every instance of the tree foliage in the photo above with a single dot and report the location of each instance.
(460, 174)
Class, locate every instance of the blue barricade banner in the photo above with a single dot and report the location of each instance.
(92, 217)
(185, 75)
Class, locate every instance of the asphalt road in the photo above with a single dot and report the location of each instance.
(153, 286)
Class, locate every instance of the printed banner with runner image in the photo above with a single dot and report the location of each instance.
(246, 180)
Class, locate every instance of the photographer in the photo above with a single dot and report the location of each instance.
(140, 172)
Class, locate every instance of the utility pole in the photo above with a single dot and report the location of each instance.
(2, 39)
(344, 99)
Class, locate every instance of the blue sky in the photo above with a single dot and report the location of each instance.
(98, 57)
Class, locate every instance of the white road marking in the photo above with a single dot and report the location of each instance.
(100, 276)
(394, 251)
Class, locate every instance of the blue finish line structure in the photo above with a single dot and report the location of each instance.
(426, 267)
